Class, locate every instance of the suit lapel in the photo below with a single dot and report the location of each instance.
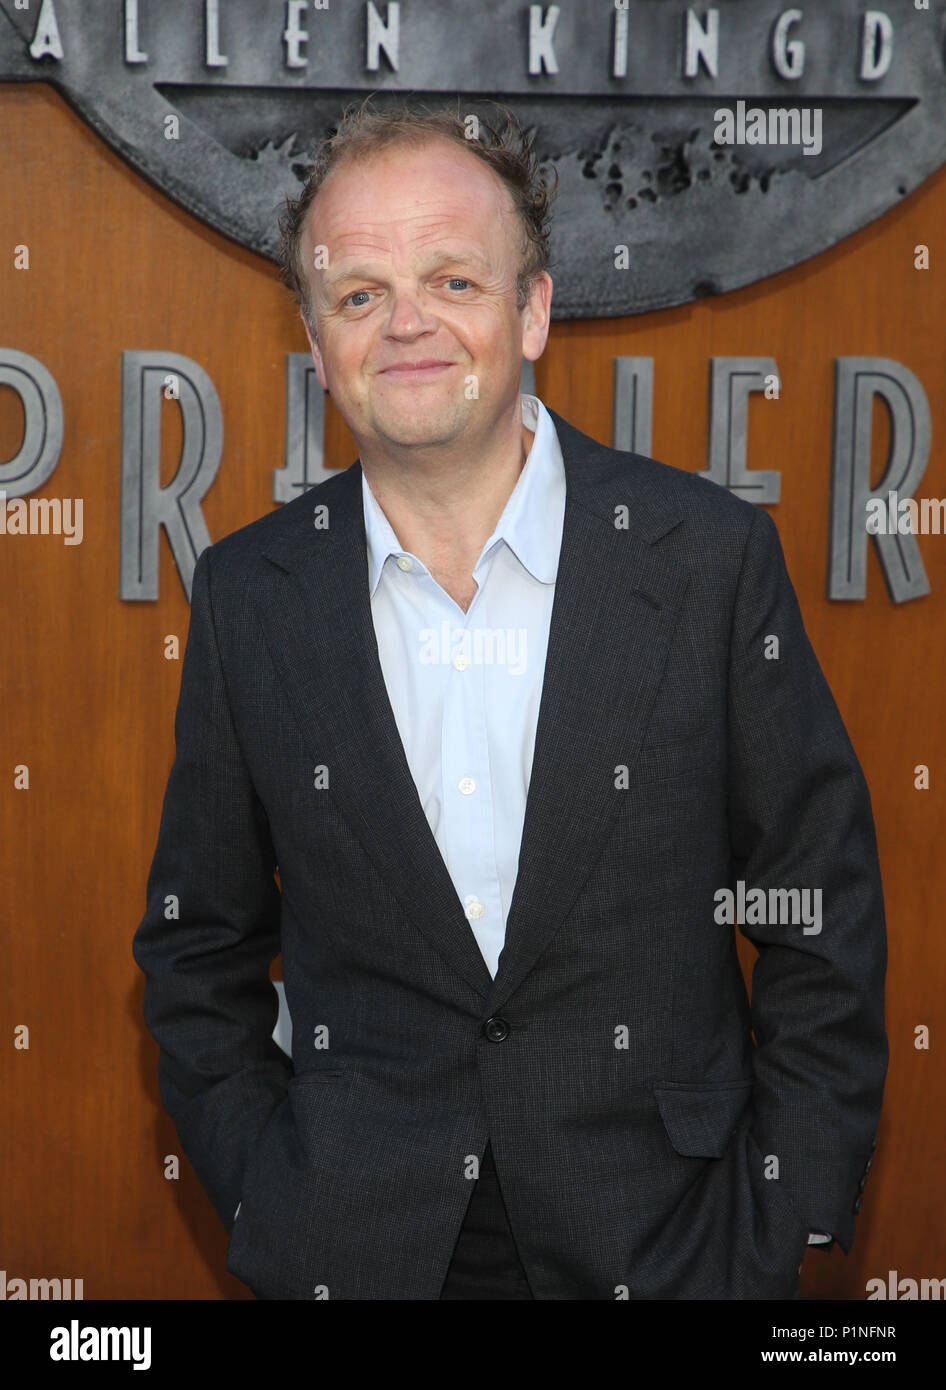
(617, 601)
(616, 604)
(316, 615)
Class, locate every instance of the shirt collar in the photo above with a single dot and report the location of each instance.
(531, 521)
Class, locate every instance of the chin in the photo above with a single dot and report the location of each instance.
(417, 426)
(419, 438)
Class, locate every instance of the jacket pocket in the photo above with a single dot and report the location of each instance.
(699, 1117)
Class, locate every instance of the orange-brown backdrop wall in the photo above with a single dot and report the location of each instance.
(89, 698)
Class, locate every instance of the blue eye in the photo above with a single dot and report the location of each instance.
(457, 278)
(355, 295)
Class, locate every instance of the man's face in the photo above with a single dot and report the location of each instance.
(419, 339)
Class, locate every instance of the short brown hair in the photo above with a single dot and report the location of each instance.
(362, 131)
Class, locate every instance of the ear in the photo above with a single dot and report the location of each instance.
(316, 354)
(536, 318)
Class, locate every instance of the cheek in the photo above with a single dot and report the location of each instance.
(343, 362)
(487, 334)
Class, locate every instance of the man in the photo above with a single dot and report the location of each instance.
(513, 713)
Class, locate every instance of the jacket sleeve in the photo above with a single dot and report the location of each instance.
(800, 817)
(211, 929)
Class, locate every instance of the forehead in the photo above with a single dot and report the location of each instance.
(411, 196)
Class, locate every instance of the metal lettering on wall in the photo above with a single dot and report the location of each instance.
(698, 149)
(149, 377)
(146, 506)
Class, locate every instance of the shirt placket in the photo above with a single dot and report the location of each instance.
(467, 788)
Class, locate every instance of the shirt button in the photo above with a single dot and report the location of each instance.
(404, 562)
(474, 908)
(461, 661)
(467, 785)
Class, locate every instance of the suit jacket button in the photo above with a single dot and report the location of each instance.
(496, 1029)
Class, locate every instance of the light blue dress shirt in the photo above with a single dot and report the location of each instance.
(465, 687)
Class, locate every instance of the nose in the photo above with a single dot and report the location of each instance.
(409, 315)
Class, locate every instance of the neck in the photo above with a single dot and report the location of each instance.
(443, 507)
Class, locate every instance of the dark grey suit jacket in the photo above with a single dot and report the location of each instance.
(638, 1109)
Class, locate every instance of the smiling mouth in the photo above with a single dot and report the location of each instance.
(424, 371)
